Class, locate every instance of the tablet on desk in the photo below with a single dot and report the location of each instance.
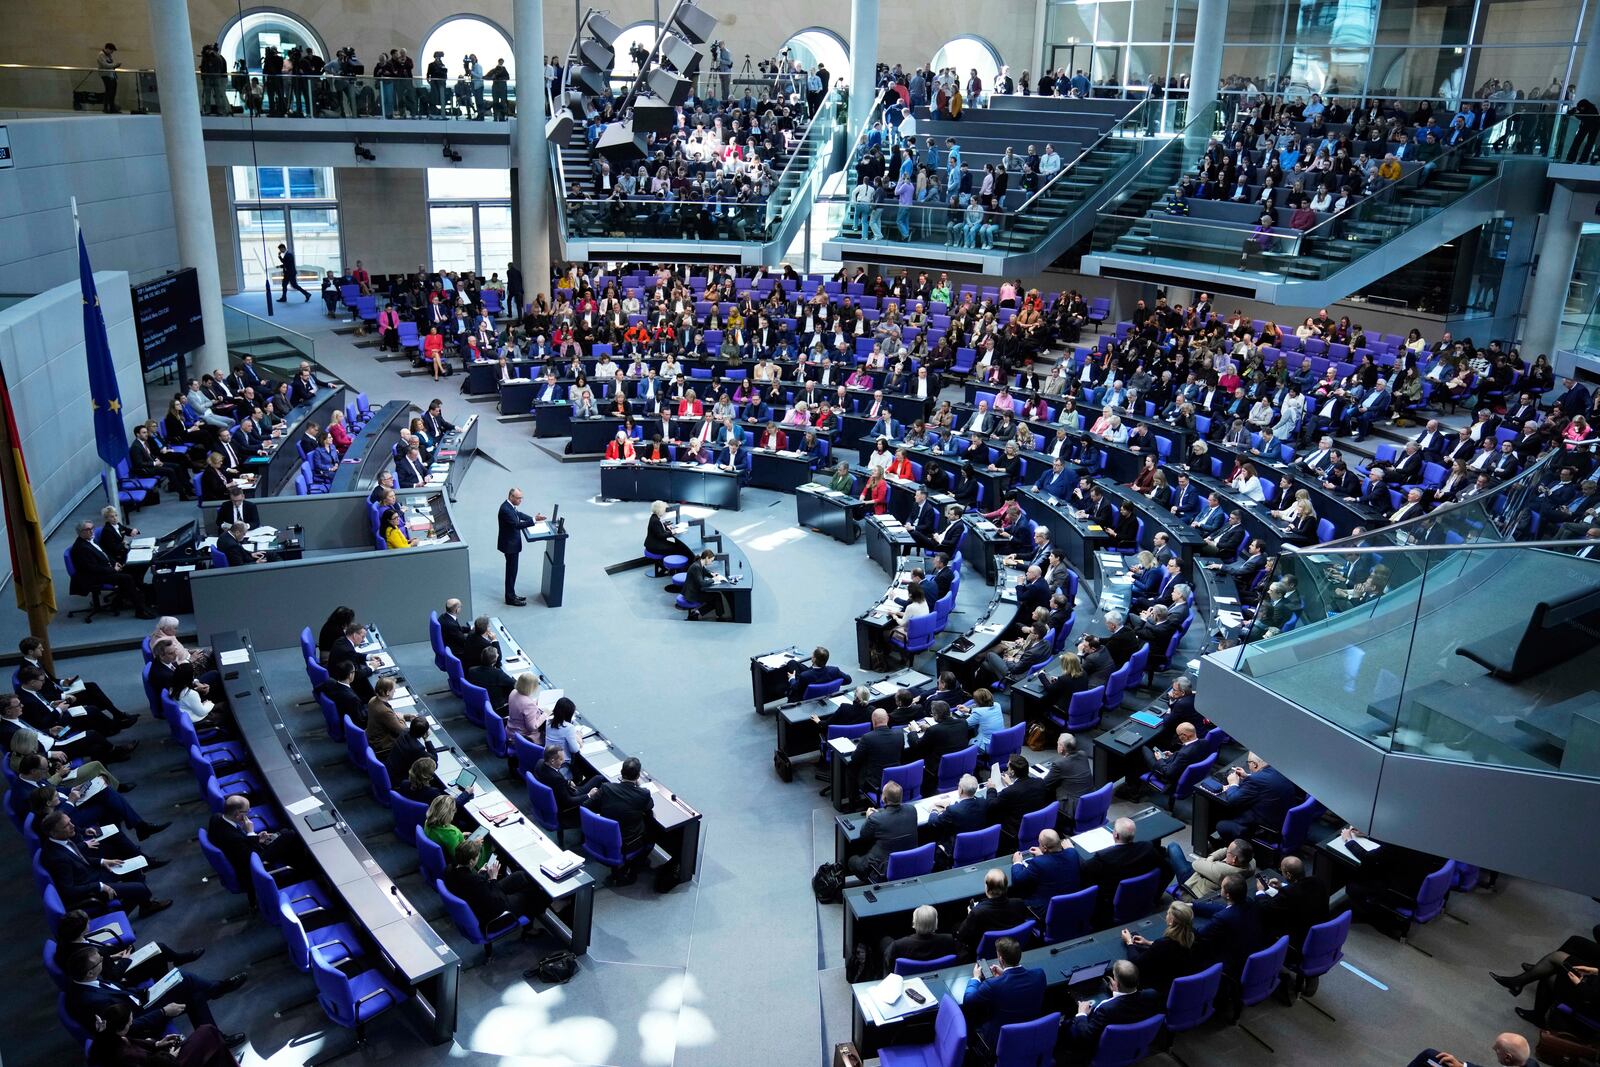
(1089, 975)
(466, 779)
(479, 834)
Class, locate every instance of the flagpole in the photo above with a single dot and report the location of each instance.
(109, 478)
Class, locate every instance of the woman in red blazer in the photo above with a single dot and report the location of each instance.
(876, 491)
(900, 466)
(621, 447)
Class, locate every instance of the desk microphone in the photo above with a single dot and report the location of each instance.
(394, 891)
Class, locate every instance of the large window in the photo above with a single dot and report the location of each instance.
(967, 54)
(469, 219)
(250, 35)
(464, 36)
(293, 206)
(640, 34)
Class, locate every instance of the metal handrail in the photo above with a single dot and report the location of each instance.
(1070, 167)
(1207, 113)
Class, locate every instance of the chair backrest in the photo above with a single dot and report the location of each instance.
(528, 753)
(266, 890)
(294, 937)
(1136, 897)
(330, 717)
(952, 765)
(1297, 824)
(460, 914)
(430, 854)
(378, 776)
(60, 979)
(1261, 970)
(1035, 821)
(1435, 889)
(475, 701)
(1324, 945)
(494, 732)
(1090, 814)
(1124, 1044)
(408, 815)
(911, 862)
(333, 989)
(542, 802)
(602, 837)
(906, 968)
(822, 689)
(1070, 914)
(1028, 1044)
(975, 845)
(1023, 932)
(226, 874)
(949, 1035)
(1006, 743)
(1192, 776)
(1083, 710)
(1192, 998)
(909, 775)
(355, 744)
(308, 644)
(1116, 685)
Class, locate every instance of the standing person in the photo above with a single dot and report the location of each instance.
(514, 290)
(290, 279)
(106, 63)
(512, 522)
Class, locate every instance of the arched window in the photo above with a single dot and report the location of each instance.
(642, 34)
(249, 36)
(966, 53)
(817, 45)
(465, 35)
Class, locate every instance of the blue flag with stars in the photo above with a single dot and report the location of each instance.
(110, 440)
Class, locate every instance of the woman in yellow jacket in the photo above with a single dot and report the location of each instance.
(393, 535)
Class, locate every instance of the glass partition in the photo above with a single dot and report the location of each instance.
(276, 349)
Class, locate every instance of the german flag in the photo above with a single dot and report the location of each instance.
(30, 563)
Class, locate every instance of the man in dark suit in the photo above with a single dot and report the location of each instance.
(995, 910)
(969, 812)
(1180, 709)
(1120, 640)
(86, 883)
(1023, 795)
(1510, 1050)
(1225, 543)
(924, 943)
(512, 521)
(1126, 1004)
(1126, 858)
(450, 629)
(406, 750)
(1166, 766)
(236, 836)
(338, 690)
(490, 676)
(925, 522)
(1058, 481)
(89, 993)
(92, 570)
(629, 804)
(1243, 571)
(1032, 592)
(237, 509)
(1258, 795)
(489, 891)
(891, 828)
(1070, 774)
(816, 671)
(230, 542)
(411, 469)
(548, 773)
(945, 736)
(878, 748)
(345, 651)
(1007, 991)
(1292, 903)
(1045, 870)
(1233, 931)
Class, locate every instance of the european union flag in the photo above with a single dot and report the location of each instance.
(110, 440)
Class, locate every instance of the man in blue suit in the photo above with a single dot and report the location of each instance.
(925, 523)
(1212, 517)
(969, 812)
(1258, 797)
(88, 995)
(1010, 992)
(512, 521)
(1186, 499)
(735, 459)
(817, 672)
(1058, 481)
(1046, 870)
(1233, 932)
(1126, 1004)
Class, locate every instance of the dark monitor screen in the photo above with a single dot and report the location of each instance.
(166, 313)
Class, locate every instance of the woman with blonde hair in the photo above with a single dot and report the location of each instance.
(524, 716)
(1171, 956)
(439, 826)
(61, 772)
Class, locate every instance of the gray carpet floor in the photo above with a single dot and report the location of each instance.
(740, 966)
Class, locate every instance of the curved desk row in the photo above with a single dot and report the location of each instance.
(373, 448)
(679, 826)
(686, 483)
(411, 951)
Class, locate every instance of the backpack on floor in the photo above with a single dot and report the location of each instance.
(554, 969)
(828, 883)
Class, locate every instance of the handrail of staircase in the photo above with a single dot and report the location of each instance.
(776, 201)
(1206, 116)
(1133, 119)
(1414, 180)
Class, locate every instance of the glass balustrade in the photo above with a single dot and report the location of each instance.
(1442, 637)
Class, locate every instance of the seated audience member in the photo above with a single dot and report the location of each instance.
(1128, 1003)
(967, 812)
(1021, 795)
(346, 702)
(93, 569)
(491, 677)
(1070, 774)
(1046, 870)
(234, 832)
(1168, 957)
(1202, 875)
(87, 883)
(495, 896)
(1292, 903)
(1257, 796)
(1004, 992)
(524, 715)
(1510, 1050)
(385, 725)
(995, 910)
(891, 828)
(924, 943)
(629, 805)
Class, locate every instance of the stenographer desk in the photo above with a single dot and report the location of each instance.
(678, 826)
(737, 580)
(684, 483)
(409, 949)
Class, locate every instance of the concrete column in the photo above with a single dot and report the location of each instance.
(1205, 71)
(532, 156)
(186, 168)
(1041, 19)
(863, 63)
(1547, 293)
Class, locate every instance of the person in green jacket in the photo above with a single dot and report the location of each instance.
(439, 826)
